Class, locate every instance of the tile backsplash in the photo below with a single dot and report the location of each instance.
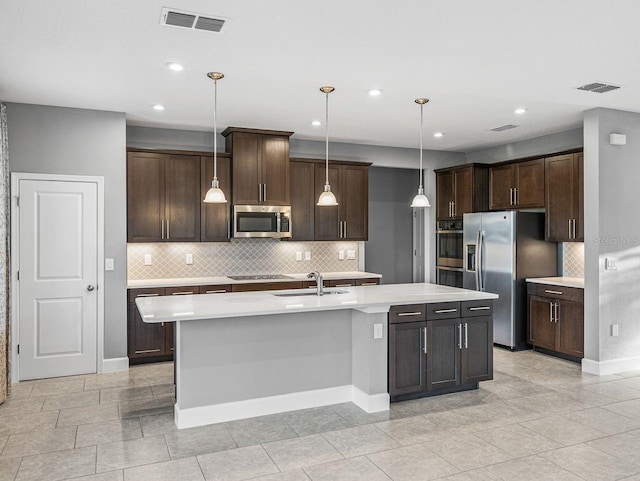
(237, 257)
(573, 259)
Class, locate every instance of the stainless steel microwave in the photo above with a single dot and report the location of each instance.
(262, 221)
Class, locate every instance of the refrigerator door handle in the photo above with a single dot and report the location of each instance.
(479, 260)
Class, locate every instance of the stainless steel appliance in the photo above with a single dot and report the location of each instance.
(449, 253)
(262, 221)
(501, 249)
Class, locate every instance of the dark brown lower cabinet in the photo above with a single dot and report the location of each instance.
(430, 355)
(147, 342)
(556, 319)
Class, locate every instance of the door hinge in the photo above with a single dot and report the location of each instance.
(18, 274)
(18, 348)
(17, 201)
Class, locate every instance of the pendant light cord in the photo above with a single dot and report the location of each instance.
(326, 151)
(215, 136)
(421, 119)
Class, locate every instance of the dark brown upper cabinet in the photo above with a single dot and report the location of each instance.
(461, 190)
(163, 197)
(518, 185)
(565, 197)
(303, 202)
(214, 218)
(260, 163)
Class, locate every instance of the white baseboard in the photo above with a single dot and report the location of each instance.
(199, 416)
(115, 364)
(371, 403)
(602, 368)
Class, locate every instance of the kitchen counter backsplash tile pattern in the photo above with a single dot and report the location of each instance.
(573, 259)
(238, 257)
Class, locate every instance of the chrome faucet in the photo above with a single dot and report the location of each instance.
(318, 277)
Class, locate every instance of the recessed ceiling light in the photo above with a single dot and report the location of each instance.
(375, 92)
(158, 107)
(176, 67)
(438, 134)
(520, 110)
(316, 123)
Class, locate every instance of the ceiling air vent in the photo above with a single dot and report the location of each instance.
(598, 87)
(503, 127)
(197, 21)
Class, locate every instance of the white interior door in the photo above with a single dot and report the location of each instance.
(58, 273)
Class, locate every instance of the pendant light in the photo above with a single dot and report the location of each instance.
(214, 194)
(420, 200)
(327, 197)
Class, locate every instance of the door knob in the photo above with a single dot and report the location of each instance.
(90, 288)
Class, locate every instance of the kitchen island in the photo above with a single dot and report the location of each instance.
(242, 355)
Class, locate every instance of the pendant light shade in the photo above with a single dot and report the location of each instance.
(327, 197)
(420, 200)
(215, 195)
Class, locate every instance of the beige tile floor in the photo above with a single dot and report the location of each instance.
(539, 419)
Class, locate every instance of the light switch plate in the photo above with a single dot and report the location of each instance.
(108, 264)
(340, 255)
(147, 260)
(377, 331)
(351, 255)
(298, 256)
(189, 259)
(307, 256)
(610, 263)
(614, 330)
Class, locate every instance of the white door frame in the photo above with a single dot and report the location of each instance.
(16, 177)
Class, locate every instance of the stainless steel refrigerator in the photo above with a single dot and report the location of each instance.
(501, 249)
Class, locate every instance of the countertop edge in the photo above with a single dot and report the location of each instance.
(575, 282)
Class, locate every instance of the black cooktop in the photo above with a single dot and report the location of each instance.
(259, 277)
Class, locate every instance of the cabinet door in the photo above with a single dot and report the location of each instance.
(406, 358)
(570, 328)
(246, 170)
(529, 183)
(560, 197)
(214, 218)
(303, 202)
(501, 183)
(578, 209)
(443, 354)
(182, 198)
(169, 339)
(327, 217)
(145, 197)
(354, 210)
(274, 166)
(542, 329)
(477, 352)
(463, 192)
(444, 195)
(145, 340)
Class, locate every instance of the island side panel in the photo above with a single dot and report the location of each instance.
(223, 361)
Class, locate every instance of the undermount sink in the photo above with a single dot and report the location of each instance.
(309, 293)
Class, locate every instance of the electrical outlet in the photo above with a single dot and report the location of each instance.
(307, 256)
(614, 330)
(147, 260)
(298, 256)
(108, 264)
(340, 255)
(189, 259)
(351, 255)
(377, 331)
(610, 263)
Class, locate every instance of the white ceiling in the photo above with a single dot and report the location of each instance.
(476, 60)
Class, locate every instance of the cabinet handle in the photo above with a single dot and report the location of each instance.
(147, 351)
(574, 228)
(424, 349)
(162, 324)
(569, 228)
(551, 312)
(453, 208)
(259, 192)
(466, 335)
(264, 189)
(182, 293)
(557, 313)
(460, 336)
(510, 195)
(343, 285)
(404, 314)
(443, 311)
(481, 308)
(515, 196)
(229, 230)
(147, 295)
(345, 229)
(369, 284)
(548, 291)
(216, 292)
(167, 229)
(162, 227)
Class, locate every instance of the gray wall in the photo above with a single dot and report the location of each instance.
(546, 144)
(389, 250)
(612, 229)
(56, 140)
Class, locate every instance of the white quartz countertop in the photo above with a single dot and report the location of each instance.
(204, 281)
(239, 304)
(577, 282)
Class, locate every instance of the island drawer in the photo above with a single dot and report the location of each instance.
(555, 292)
(145, 292)
(443, 310)
(408, 313)
(265, 286)
(370, 281)
(477, 308)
